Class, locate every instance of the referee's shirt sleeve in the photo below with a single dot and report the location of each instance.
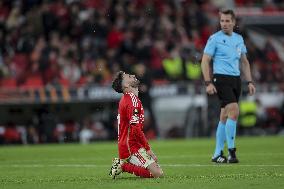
(243, 47)
(210, 46)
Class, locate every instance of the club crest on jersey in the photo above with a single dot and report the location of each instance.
(135, 116)
(135, 111)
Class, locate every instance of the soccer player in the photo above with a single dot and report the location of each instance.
(135, 154)
(227, 49)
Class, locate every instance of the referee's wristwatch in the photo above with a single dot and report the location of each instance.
(207, 83)
(248, 82)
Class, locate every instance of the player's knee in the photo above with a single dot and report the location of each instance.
(158, 173)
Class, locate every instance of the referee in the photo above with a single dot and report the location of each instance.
(227, 49)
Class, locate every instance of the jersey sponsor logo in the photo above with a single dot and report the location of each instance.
(134, 119)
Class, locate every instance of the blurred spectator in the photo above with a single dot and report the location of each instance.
(248, 116)
(92, 130)
(2, 131)
(273, 121)
(282, 123)
(71, 128)
(143, 76)
(11, 134)
(46, 125)
(85, 135)
(99, 131)
(32, 135)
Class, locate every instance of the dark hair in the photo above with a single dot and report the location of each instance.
(117, 82)
(230, 12)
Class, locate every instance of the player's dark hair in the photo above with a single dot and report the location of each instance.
(117, 82)
(230, 12)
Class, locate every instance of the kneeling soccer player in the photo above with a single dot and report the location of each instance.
(135, 155)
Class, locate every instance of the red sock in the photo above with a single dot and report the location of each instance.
(136, 170)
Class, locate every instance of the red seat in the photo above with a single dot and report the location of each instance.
(64, 82)
(8, 83)
(160, 82)
(33, 82)
(82, 81)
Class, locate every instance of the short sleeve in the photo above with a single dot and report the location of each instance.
(210, 46)
(243, 48)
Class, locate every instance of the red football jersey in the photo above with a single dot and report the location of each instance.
(130, 126)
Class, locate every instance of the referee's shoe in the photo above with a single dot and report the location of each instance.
(219, 159)
(232, 158)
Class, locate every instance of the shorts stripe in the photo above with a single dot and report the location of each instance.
(140, 158)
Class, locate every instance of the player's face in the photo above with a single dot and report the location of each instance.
(227, 23)
(130, 81)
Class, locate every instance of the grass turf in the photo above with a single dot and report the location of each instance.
(186, 164)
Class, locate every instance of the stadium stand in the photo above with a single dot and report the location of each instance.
(62, 47)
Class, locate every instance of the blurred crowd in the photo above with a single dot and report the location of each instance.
(84, 42)
(47, 127)
(72, 42)
(265, 5)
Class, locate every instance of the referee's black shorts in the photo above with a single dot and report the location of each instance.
(228, 88)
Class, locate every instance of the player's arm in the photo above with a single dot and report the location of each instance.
(135, 127)
(141, 137)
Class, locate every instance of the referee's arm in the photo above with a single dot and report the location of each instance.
(205, 67)
(246, 67)
(246, 70)
(210, 88)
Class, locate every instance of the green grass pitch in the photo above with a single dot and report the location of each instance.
(186, 164)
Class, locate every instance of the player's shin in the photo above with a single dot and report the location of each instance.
(136, 170)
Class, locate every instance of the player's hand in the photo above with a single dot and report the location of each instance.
(211, 89)
(251, 89)
(150, 153)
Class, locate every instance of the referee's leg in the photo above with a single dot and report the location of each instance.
(232, 110)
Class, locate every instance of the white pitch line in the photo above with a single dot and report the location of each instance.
(216, 165)
(206, 155)
(162, 165)
(159, 156)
